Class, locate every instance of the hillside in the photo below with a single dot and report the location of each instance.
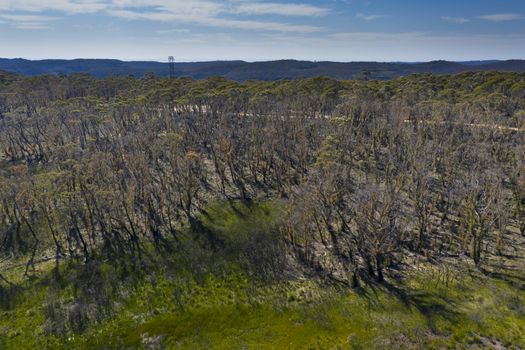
(243, 71)
(312, 213)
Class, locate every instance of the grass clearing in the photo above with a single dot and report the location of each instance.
(174, 308)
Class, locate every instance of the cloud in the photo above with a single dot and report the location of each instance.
(200, 8)
(223, 13)
(27, 21)
(174, 31)
(256, 8)
(67, 6)
(31, 25)
(27, 18)
(503, 17)
(457, 20)
(369, 17)
(377, 36)
(166, 16)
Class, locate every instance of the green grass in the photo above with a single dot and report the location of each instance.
(230, 313)
(230, 308)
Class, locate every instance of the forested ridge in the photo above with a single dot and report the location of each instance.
(242, 71)
(111, 186)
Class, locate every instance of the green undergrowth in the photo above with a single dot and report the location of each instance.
(231, 312)
(202, 300)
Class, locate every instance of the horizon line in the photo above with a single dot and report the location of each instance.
(256, 61)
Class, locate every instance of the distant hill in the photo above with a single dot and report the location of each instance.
(241, 71)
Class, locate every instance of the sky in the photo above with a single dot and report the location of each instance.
(258, 30)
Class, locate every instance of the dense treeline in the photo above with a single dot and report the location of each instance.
(366, 174)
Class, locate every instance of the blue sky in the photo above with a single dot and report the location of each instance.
(256, 30)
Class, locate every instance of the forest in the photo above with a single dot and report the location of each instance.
(153, 213)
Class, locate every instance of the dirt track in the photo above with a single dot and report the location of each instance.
(475, 125)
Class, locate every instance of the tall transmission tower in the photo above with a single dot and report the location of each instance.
(171, 61)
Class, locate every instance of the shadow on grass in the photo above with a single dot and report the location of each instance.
(512, 279)
(432, 306)
(9, 294)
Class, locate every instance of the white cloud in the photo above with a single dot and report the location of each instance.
(180, 7)
(166, 16)
(27, 21)
(503, 17)
(377, 36)
(27, 18)
(30, 25)
(256, 8)
(369, 17)
(174, 31)
(457, 20)
(67, 6)
(222, 13)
